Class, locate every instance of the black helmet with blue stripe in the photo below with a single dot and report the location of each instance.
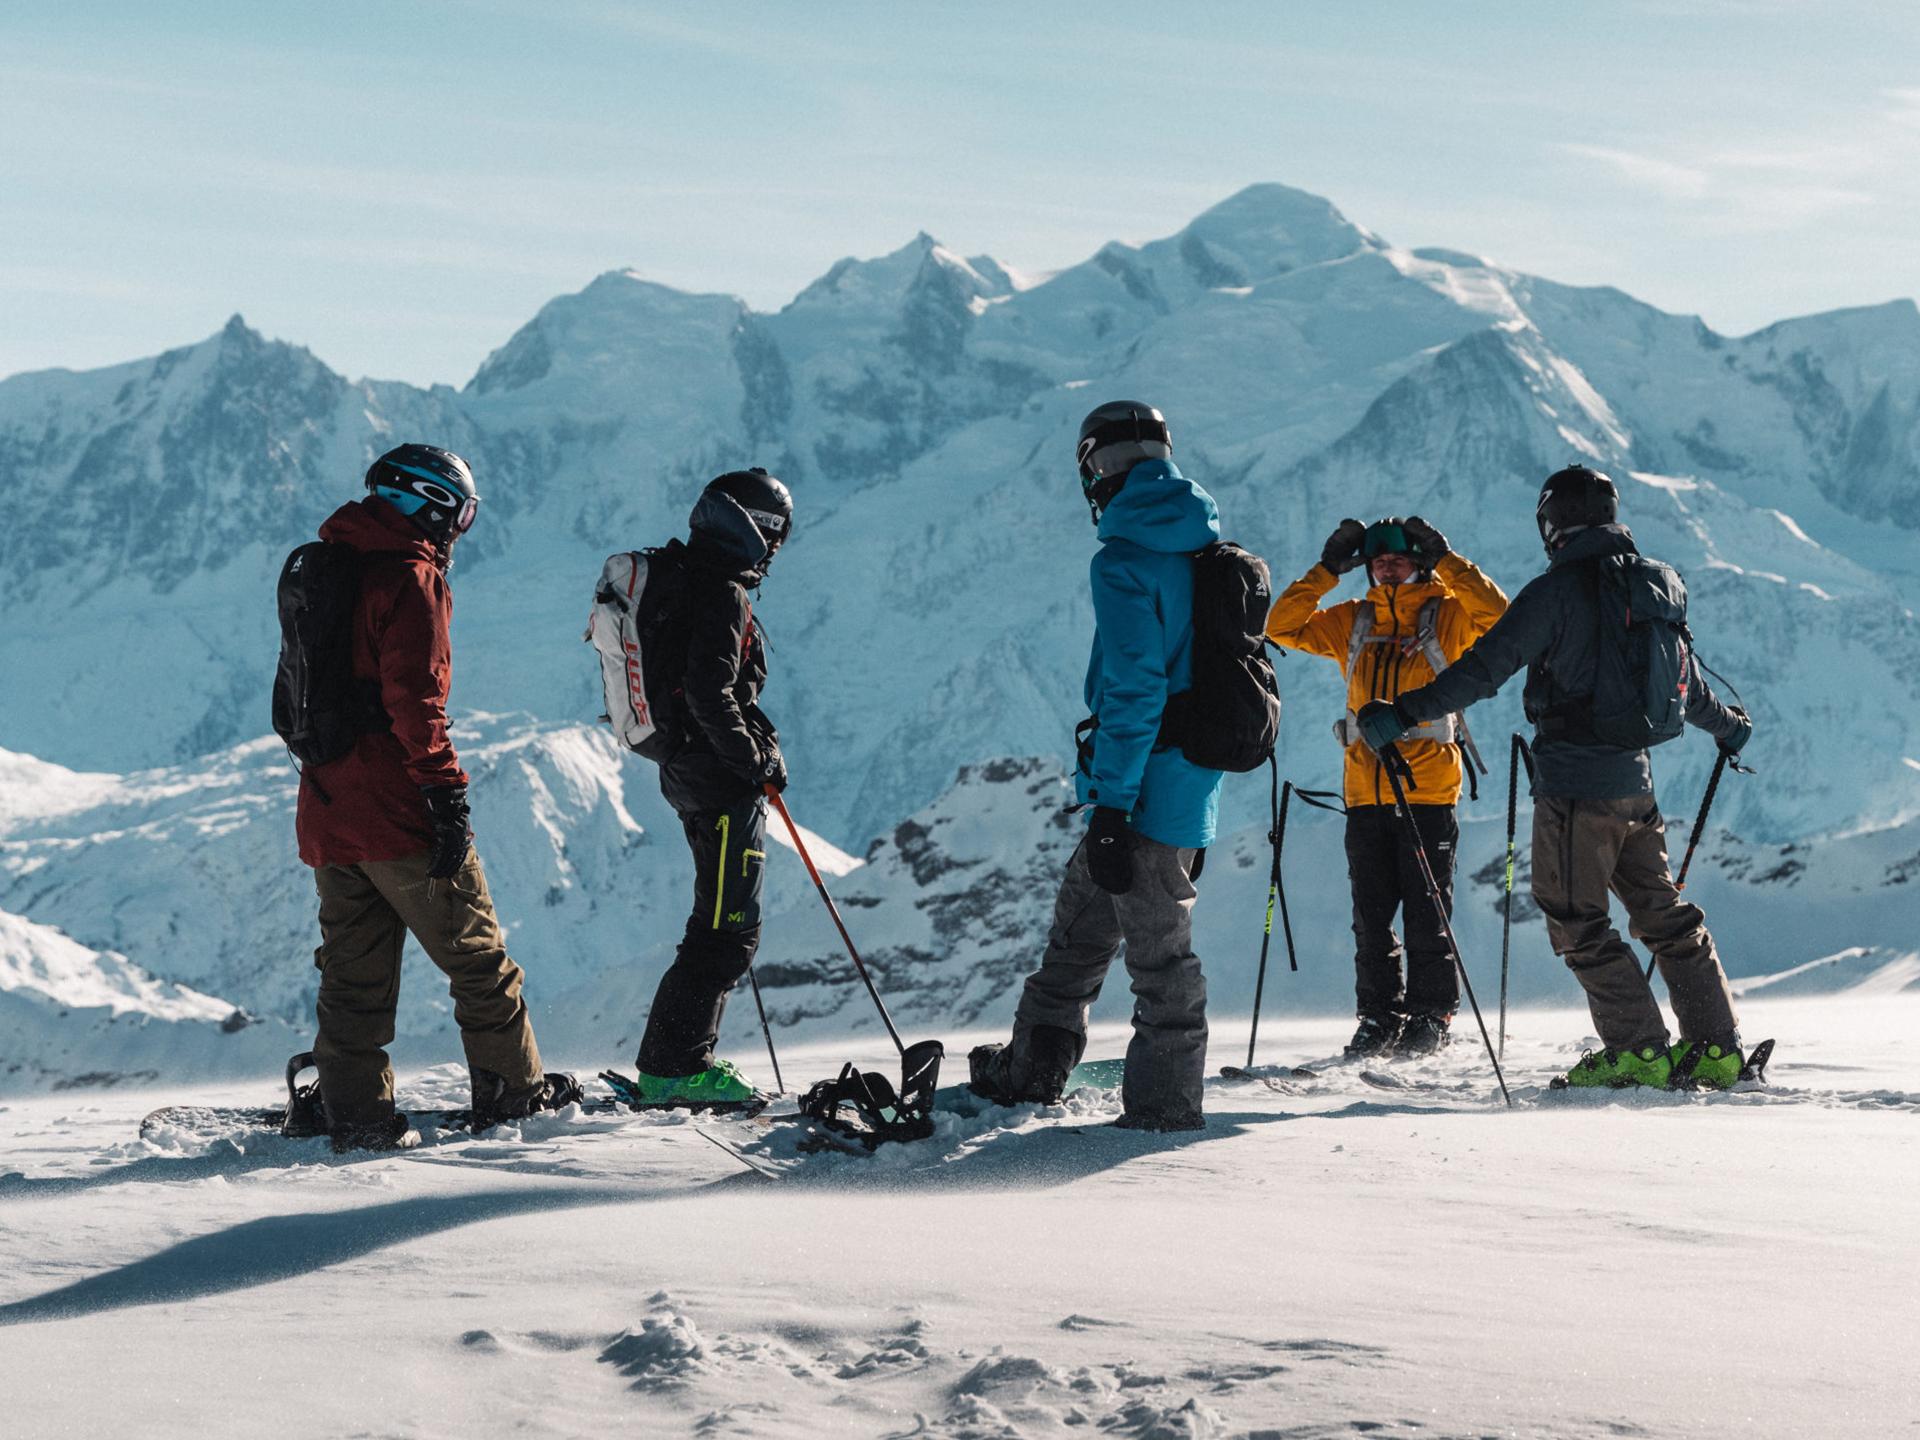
(432, 487)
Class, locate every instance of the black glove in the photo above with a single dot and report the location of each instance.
(1734, 743)
(1110, 850)
(447, 809)
(1428, 541)
(1381, 723)
(1341, 553)
(773, 767)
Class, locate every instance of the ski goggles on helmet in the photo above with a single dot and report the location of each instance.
(1386, 537)
(424, 489)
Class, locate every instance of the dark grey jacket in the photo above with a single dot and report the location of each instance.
(1552, 628)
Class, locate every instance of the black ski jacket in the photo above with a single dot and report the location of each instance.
(727, 736)
(1552, 628)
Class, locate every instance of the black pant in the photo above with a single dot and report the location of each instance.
(1386, 877)
(729, 859)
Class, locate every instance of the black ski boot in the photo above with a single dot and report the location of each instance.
(1035, 1074)
(494, 1101)
(1161, 1122)
(1376, 1036)
(1424, 1035)
(391, 1133)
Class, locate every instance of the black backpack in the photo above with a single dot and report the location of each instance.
(638, 628)
(1229, 719)
(319, 707)
(1642, 657)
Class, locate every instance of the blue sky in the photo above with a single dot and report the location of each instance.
(401, 185)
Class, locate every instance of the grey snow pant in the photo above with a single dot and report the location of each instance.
(1167, 1058)
(1581, 850)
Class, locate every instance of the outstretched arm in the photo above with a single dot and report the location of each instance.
(1516, 640)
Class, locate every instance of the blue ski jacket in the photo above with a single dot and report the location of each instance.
(1142, 579)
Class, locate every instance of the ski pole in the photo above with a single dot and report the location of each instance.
(1515, 755)
(1278, 837)
(766, 1030)
(838, 923)
(1393, 762)
(1699, 826)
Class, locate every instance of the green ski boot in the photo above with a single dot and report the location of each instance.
(1700, 1066)
(719, 1087)
(1650, 1065)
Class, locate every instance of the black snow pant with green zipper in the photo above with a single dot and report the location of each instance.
(729, 857)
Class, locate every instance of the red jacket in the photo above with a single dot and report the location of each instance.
(373, 809)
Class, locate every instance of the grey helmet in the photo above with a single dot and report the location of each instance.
(1113, 439)
(1573, 499)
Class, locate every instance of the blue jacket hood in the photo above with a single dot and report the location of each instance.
(1160, 509)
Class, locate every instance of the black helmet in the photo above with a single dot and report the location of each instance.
(746, 515)
(1113, 439)
(432, 487)
(1572, 499)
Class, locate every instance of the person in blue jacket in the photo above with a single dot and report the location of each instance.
(1131, 877)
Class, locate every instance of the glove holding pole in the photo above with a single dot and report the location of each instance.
(1730, 747)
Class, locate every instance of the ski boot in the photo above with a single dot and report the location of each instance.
(719, 1088)
(1376, 1036)
(1035, 1073)
(1718, 1064)
(1424, 1035)
(1161, 1122)
(390, 1133)
(1648, 1065)
(494, 1101)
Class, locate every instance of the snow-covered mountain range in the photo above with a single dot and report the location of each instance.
(931, 612)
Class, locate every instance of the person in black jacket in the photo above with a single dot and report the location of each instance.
(1596, 826)
(715, 779)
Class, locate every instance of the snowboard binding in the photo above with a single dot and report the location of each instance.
(306, 1113)
(863, 1105)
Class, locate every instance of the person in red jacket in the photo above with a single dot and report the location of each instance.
(385, 827)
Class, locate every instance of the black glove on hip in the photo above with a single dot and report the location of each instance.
(1341, 553)
(447, 809)
(1110, 850)
(1429, 541)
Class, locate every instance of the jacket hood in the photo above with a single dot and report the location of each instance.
(724, 535)
(1158, 508)
(373, 526)
(1595, 540)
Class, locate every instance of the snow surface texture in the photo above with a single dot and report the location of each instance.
(929, 620)
(1328, 1259)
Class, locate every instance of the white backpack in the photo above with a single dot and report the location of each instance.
(642, 708)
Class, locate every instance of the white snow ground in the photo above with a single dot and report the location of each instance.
(1327, 1259)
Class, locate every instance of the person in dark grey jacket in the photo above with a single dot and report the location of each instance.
(1596, 826)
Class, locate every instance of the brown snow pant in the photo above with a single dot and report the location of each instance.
(366, 911)
(1581, 850)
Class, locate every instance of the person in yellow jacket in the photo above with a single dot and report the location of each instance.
(1424, 606)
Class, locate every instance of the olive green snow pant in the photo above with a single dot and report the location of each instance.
(366, 911)
(1581, 850)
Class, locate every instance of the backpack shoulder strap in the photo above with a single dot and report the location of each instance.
(1426, 634)
(1357, 637)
